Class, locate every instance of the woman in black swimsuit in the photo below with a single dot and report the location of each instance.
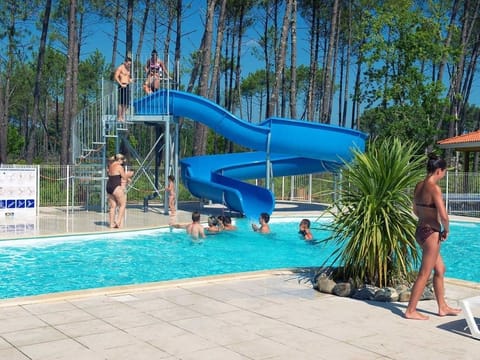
(116, 190)
(428, 205)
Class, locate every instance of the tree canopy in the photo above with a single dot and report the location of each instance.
(405, 68)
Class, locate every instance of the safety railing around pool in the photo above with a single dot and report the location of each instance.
(78, 188)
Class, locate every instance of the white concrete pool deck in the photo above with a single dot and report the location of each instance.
(261, 315)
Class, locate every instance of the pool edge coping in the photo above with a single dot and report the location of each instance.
(152, 286)
(145, 287)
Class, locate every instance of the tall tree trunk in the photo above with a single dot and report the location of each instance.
(142, 33)
(218, 51)
(168, 34)
(280, 60)
(468, 22)
(443, 62)
(471, 53)
(129, 30)
(266, 53)
(201, 131)
(343, 121)
(178, 39)
(116, 27)
(313, 67)
(69, 83)
(3, 126)
(36, 86)
(326, 106)
(357, 92)
(237, 95)
(293, 62)
(6, 76)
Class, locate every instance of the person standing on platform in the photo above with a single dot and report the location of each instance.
(156, 71)
(124, 79)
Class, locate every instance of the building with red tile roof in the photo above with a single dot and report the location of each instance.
(465, 143)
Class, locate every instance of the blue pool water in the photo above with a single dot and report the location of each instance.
(39, 266)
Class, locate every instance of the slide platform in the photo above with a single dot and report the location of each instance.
(292, 146)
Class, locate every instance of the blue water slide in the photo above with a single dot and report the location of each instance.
(292, 147)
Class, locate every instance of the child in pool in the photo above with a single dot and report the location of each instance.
(304, 229)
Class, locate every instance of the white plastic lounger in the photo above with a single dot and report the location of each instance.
(467, 311)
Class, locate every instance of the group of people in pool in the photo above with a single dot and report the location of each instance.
(221, 223)
(215, 225)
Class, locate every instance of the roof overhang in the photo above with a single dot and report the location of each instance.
(465, 147)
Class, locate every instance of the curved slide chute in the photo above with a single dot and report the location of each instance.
(292, 147)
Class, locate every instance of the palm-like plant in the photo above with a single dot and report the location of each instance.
(373, 225)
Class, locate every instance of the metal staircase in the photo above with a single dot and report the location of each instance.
(96, 131)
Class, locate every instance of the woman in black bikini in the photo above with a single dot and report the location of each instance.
(430, 209)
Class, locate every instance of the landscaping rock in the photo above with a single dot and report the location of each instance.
(404, 296)
(386, 294)
(365, 293)
(343, 289)
(325, 284)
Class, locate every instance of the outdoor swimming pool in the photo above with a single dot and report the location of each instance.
(39, 266)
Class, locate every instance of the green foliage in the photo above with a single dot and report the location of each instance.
(374, 227)
(406, 122)
(91, 70)
(402, 44)
(15, 142)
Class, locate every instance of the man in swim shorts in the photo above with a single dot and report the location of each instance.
(123, 78)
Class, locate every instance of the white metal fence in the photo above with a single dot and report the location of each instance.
(462, 193)
(81, 188)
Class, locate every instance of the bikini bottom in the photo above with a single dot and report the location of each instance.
(423, 232)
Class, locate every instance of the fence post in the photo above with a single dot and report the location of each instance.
(446, 191)
(310, 185)
(68, 188)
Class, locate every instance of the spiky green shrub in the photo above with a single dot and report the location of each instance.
(374, 227)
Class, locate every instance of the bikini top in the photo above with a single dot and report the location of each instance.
(155, 66)
(431, 206)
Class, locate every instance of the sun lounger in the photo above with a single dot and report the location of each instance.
(466, 305)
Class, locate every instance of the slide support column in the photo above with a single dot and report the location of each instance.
(268, 164)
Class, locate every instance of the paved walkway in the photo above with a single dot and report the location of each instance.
(261, 315)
